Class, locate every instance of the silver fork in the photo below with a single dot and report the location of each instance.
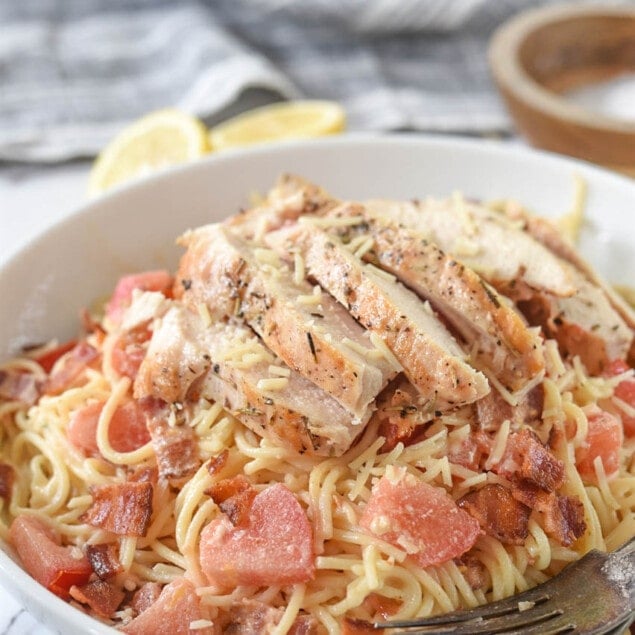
(595, 595)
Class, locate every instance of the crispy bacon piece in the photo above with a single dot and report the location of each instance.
(217, 463)
(144, 475)
(380, 605)
(73, 365)
(498, 513)
(526, 458)
(228, 487)
(7, 478)
(16, 385)
(254, 618)
(563, 516)
(175, 446)
(400, 413)
(492, 409)
(145, 597)
(104, 559)
(474, 572)
(102, 597)
(234, 496)
(129, 351)
(123, 508)
(471, 451)
(353, 626)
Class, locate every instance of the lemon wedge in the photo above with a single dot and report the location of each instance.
(158, 140)
(286, 120)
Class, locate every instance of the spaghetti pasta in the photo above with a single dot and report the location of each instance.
(358, 574)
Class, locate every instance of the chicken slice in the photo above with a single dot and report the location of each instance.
(584, 324)
(290, 198)
(499, 338)
(483, 240)
(544, 231)
(549, 291)
(430, 356)
(228, 364)
(311, 332)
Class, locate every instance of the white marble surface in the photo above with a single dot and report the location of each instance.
(32, 199)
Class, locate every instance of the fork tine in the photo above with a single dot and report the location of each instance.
(492, 610)
(508, 623)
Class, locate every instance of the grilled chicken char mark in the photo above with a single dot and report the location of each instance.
(499, 338)
(310, 332)
(226, 363)
(431, 358)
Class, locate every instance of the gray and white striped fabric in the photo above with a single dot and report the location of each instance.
(73, 72)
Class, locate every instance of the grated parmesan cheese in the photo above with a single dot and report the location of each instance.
(198, 625)
(267, 256)
(203, 312)
(298, 268)
(381, 346)
(381, 273)
(279, 371)
(329, 221)
(272, 383)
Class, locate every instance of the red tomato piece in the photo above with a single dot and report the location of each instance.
(418, 518)
(604, 439)
(147, 281)
(176, 607)
(51, 564)
(47, 360)
(127, 430)
(625, 391)
(276, 546)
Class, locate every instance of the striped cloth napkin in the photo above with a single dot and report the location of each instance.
(74, 72)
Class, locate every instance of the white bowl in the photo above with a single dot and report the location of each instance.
(78, 260)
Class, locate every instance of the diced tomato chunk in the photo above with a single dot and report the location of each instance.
(604, 439)
(51, 564)
(276, 546)
(127, 430)
(47, 359)
(174, 610)
(418, 518)
(147, 281)
(625, 391)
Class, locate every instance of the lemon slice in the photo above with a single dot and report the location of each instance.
(286, 120)
(156, 141)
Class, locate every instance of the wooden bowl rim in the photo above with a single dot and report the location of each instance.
(505, 64)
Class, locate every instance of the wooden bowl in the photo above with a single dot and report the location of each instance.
(540, 54)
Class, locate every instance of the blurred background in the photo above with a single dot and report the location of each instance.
(74, 73)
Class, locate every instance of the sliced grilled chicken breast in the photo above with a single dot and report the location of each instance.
(311, 332)
(430, 356)
(290, 198)
(544, 231)
(229, 364)
(499, 338)
(498, 250)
